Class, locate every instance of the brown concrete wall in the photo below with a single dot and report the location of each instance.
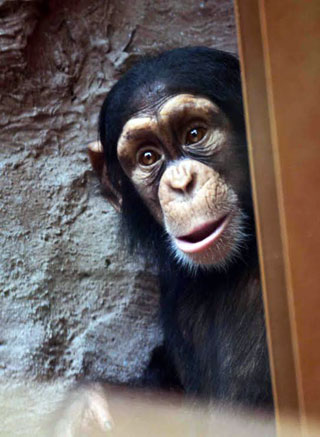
(72, 302)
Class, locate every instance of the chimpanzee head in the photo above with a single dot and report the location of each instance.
(175, 159)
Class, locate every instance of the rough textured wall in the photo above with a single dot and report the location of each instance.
(73, 302)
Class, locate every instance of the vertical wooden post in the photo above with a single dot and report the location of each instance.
(279, 45)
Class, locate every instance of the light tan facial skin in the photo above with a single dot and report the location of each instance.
(167, 152)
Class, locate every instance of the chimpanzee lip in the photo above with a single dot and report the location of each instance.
(202, 236)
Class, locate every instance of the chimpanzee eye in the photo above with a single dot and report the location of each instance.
(195, 134)
(148, 157)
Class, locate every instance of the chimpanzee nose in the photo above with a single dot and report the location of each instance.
(184, 179)
(180, 178)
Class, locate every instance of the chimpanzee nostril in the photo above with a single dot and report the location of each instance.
(190, 185)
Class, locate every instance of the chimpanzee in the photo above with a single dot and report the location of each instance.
(175, 163)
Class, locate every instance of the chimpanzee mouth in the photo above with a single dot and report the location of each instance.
(203, 236)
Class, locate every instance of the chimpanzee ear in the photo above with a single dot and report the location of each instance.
(97, 160)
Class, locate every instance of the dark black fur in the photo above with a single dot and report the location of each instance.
(213, 321)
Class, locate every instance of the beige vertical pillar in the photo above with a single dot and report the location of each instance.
(280, 57)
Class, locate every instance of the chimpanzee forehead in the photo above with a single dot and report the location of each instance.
(149, 97)
(162, 106)
(172, 107)
(187, 102)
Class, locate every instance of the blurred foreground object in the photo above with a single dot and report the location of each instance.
(47, 410)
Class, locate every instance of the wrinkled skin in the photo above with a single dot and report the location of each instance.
(173, 186)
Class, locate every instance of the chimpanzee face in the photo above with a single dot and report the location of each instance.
(174, 127)
(173, 152)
